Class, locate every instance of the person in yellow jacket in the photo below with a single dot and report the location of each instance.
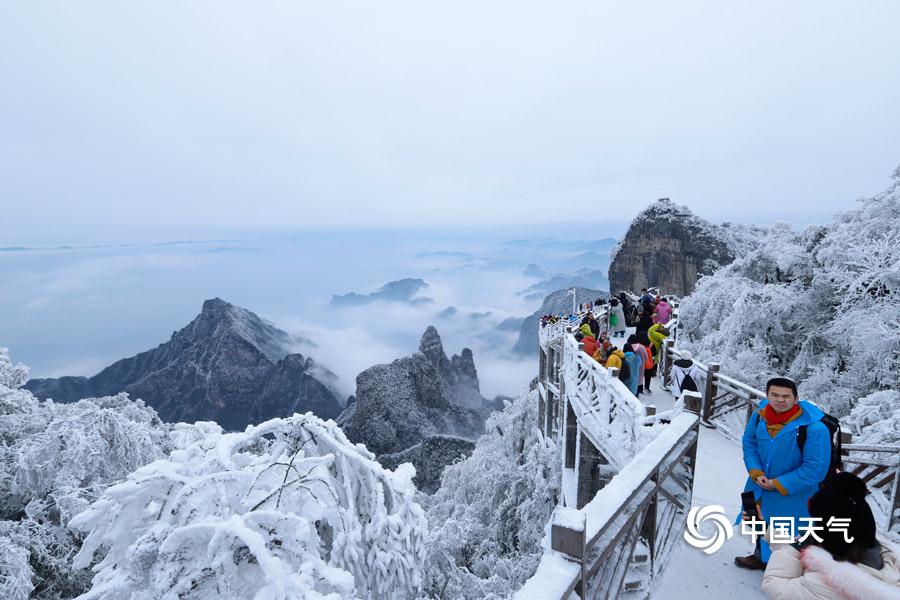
(615, 358)
(657, 334)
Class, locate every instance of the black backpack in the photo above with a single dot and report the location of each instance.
(834, 431)
(688, 384)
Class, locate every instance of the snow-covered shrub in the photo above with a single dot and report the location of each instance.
(12, 377)
(55, 459)
(287, 509)
(15, 573)
(876, 418)
(821, 306)
(489, 516)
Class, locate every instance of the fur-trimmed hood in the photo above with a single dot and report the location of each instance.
(814, 575)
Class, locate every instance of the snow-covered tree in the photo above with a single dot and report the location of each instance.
(55, 459)
(286, 509)
(822, 306)
(488, 519)
(15, 572)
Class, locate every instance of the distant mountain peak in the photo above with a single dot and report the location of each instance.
(227, 365)
(432, 346)
(219, 318)
(215, 305)
(400, 290)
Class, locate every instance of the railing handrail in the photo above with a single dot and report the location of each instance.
(557, 575)
(607, 504)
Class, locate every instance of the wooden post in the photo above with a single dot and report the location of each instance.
(564, 536)
(589, 462)
(693, 402)
(895, 500)
(557, 412)
(542, 408)
(709, 395)
(568, 536)
(846, 438)
(571, 437)
(649, 526)
(668, 346)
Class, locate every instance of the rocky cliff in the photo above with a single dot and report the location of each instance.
(559, 302)
(228, 365)
(400, 404)
(668, 247)
(430, 458)
(458, 373)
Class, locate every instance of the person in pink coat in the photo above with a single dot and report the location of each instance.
(663, 312)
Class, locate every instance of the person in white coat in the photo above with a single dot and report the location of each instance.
(617, 325)
(865, 568)
(687, 376)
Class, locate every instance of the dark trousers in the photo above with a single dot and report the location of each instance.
(757, 552)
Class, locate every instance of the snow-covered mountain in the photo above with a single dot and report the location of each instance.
(669, 247)
(399, 405)
(228, 365)
(401, 290)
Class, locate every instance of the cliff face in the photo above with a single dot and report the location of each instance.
(400, 404)
(668, 247)
(458, 373)
(228, 365)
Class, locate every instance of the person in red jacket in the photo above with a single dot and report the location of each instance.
(589, 341)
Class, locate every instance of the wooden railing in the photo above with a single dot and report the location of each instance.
(629, 487)
(620, 541)
(613, 534)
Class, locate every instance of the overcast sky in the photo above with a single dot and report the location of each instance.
(119, 118)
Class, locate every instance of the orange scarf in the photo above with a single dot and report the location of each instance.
(776, 421)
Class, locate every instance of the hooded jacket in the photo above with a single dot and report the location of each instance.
(644, 355)
(590, 345)
(814, 575)
(656, 337)
(615, 359)
(635, 364)
(617, 315)
(663, 312)
(681, 370)
(796, 475)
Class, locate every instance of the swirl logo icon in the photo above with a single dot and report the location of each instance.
(723, 529)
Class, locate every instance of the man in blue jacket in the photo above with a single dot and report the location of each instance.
(781, 476)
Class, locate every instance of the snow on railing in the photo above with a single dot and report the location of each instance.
(611, 460)
(620, 541)
(610, 415)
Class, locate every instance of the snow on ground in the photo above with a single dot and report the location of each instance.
(692, 574)
(720, 476)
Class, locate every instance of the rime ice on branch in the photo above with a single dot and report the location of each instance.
(287, 509)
